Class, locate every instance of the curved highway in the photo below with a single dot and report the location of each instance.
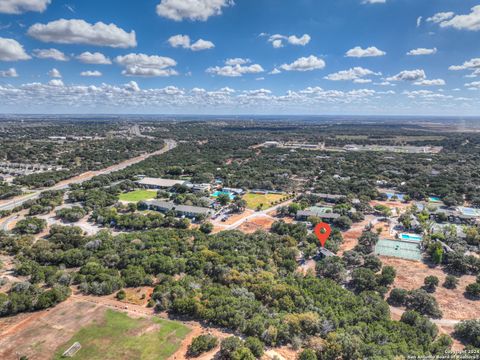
(19, 200)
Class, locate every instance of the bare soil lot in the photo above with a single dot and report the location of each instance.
(234, 218)
(411, 274)
(259, 223)
(37, 335)
(350, 237)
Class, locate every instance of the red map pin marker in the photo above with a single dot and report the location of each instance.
(322, 231)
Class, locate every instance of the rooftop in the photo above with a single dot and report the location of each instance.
(160, 182)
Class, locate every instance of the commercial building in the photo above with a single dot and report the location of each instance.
(179, 210)
(157, 183)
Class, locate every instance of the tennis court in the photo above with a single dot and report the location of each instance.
(399, 249)
(469, 211)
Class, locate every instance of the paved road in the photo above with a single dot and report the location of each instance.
(12, 203)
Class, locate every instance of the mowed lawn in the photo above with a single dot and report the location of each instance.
(138, 195)
(265, 201)
(119, 337)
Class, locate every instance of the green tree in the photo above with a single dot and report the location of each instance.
(201, 344)
(206, 227)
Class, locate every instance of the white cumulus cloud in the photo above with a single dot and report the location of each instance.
(409, 75)
(374, 1)
(278, 40)
(432, 82)
(467, 65)
(305, 64)
(76, 31)
(21, 6)
(184, 41)
(90, 73)
(235, 68)
(54, 73)
(355, 73)
(199, 10)
(12, 50)
(146, 65)
(54, 54)
(464, 22)
(93, 58)
(359, 52)
(422, 51)
(441, 16)
(10, 73)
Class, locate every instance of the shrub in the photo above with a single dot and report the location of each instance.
(451, 282)
(202, 344)
(121, 295)
(431, 283)
(398, 297)
(255, 346)
(473, 290)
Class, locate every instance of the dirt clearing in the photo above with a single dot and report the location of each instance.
(454, 305)
(259, 223)
(37, 335)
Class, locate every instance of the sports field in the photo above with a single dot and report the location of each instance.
(263, 200)
(138, 195)
(119, 337)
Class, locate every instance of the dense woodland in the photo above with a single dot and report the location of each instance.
(249, 283)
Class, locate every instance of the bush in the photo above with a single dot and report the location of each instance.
(202, 344)
(451, 282)
(473, 290)
(387, 277)
(206, 227)
(398, 297)
(229, 346)
(255, 346)
(121, 295)
(468, 331)
(307, 354)
(423, 303)
(30, 225)
(431, 283)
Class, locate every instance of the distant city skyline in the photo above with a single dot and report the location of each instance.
(385, 57)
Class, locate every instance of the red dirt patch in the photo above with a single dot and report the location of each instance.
(259, 223)
(454, 305)
(350, 237)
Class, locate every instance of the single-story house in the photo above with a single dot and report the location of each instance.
(329, 197)
(157, 183)
(180, 210)
(200, 187)
(323, 253)
(303, 215)
(454, 216)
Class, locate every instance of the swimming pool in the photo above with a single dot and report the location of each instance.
(435, 199)
(411, 237)
(218, 193)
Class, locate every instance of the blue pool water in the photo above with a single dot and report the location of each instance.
(410, 237)
(218, 193)
(434, 199)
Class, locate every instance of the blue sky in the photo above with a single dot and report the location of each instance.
(253, 57)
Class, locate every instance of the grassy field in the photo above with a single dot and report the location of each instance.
(265, 201)
(119, 337)
(138, 195)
